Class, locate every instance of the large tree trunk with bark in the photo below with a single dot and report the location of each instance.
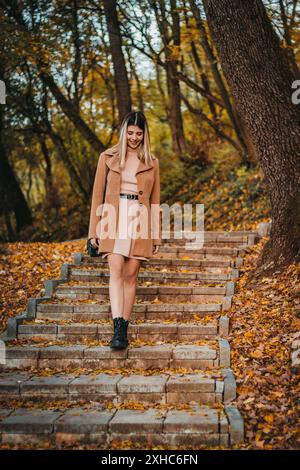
(115, 41)
(260, 80)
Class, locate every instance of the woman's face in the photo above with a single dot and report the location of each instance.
(134, 136)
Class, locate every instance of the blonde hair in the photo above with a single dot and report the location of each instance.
(134, 118)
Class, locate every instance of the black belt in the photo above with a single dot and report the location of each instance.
(129, 196)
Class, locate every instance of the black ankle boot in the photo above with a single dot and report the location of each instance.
(117, 341)
(125, 324)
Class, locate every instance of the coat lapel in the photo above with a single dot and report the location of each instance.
(113, 162)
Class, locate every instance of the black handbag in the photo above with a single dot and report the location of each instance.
(93, 250)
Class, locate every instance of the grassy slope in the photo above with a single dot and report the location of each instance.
(234, 198)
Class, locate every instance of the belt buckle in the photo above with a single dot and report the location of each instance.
(129, 196)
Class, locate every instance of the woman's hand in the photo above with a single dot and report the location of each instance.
(95, 242)
(155, 249)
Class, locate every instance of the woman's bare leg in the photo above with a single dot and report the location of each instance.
(116, 284)
(130, 273)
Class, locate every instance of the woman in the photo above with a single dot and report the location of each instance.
(126, 184)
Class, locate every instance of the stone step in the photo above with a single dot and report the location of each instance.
(208, 273)
(211, 237)
(205, 388)
(199, 424)
(161, 284)
(233, 242)
(81, 311)
(166, 252)
(208, 355)
(157, 331)
(147, 293)
(208, 252)
(238, 243)
(168, 261)
(212, 234)
(93, 274)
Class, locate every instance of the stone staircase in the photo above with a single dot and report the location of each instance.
(171, 387)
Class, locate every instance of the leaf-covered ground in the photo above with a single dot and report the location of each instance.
(263, 323)
(24, 267)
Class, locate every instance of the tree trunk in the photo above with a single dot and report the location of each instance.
(258, 74)
(115, 41)
(176, 121)
(134, 74)
(174, 85)
(11, 196)
(213, 63)
(168, 31)
(52, 197)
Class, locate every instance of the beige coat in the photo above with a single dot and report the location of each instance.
(148, 182)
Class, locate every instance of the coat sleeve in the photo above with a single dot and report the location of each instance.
(155, 206)
(97, 197)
